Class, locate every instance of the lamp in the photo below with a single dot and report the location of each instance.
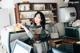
(66, 1)
(67, 14)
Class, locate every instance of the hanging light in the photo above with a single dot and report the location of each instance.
(66, 1)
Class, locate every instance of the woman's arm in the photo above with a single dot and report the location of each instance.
(27, 31)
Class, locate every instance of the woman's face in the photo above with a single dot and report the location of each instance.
(37, 19)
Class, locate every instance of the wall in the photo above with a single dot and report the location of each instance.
(10, 5)
(4, 22)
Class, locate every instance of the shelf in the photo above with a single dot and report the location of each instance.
(34, 3)
(26, 9)
(25, 18)
(36, 10)
(31, 18)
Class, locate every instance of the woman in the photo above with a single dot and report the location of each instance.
(40, 45)
(39, 33)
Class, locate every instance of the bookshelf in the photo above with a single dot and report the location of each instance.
(26, 11)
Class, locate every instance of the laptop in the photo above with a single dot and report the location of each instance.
(21, 47)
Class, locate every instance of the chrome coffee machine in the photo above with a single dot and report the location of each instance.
(67, 15)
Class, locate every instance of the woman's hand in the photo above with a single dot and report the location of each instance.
(19, 25)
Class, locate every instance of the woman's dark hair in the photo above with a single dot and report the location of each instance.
(42, 19)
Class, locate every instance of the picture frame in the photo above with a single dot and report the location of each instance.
(24, 7)
(39, 7)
